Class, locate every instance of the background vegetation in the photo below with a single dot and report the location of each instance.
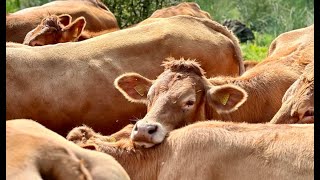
(268, 18)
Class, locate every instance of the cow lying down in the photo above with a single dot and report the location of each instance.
(212, 150)
(34, 152)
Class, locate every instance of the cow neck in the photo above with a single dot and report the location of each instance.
(136, 159)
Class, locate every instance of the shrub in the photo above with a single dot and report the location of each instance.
(257, 49)
(129, 12)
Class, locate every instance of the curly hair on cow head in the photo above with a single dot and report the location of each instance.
(183, 65)
(51, 21)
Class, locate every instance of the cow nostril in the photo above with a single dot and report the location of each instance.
(308, 113)
(152, 129)
(135, 128)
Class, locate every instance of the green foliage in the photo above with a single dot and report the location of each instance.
(257, 50)
(253, 52)
(12, 6)
(265, 16)
(15, 5)
(129, 12)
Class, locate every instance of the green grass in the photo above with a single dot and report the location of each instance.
(12, 6)
(253, 52)
(265, 16)
(257, 50)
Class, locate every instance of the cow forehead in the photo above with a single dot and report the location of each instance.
(175, 83)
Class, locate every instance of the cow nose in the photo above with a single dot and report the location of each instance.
(152, 129)
(146, 128)
(147, 134)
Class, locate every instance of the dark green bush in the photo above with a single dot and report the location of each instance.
(129, 12)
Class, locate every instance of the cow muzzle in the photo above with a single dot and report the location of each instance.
(147, 134)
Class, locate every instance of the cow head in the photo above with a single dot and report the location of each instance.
(55, 29)
(298, 102)
(180, 95)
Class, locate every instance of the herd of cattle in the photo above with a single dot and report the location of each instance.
(200, 111)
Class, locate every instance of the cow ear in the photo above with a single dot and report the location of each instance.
(65, 19)
(74, 30)
(226, 98)
(133, 86)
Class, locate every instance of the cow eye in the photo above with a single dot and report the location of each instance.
(190, 103)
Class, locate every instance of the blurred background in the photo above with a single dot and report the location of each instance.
(265, 18)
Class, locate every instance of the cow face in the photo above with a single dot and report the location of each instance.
(298, 102)
(55, 29)
(180, 95)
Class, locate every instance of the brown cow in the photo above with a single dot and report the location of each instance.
(182, 94)
(68, 84)
(184, 8)
(59, 29)
(35, 152)
(248, 64)
(298, 101)
(43, 34)
(290, 41)
(97, 15)
(214, 150)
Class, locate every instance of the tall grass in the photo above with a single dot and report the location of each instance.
(268, 18)
(265, 16)
(257, 50)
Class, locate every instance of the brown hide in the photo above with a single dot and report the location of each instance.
(249, 64)
(65, 85)
(209, 150)
(34, 152)
(98, 17)
(185, 8)
(298, 101)
(182, 94)
(50, 31)
(288, 42)
(267, 82)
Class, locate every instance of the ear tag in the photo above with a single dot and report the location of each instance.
(224, 99)
(140, 90)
